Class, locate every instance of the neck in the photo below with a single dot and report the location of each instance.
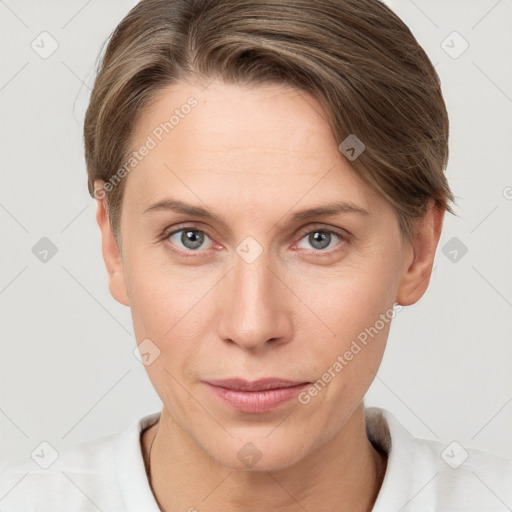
(345, 474)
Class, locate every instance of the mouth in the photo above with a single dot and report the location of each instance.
(256, 397)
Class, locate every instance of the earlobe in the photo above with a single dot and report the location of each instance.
(421, 251)
(111, 255)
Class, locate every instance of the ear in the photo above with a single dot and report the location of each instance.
(109, 248)
(421, 251)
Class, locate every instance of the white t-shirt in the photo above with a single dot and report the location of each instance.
(108, 474)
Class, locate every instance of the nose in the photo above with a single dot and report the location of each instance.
(253, 306)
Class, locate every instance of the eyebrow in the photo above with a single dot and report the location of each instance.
(335, 208)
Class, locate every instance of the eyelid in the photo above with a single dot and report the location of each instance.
(167, 232)
(342, 233)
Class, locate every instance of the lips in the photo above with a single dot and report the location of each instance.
(256, 385)
(255, 397)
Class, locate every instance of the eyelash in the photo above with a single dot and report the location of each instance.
(343, 237)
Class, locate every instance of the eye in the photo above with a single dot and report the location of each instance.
(191, 239)
(321, 239)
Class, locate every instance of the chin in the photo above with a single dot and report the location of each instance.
(259, 453)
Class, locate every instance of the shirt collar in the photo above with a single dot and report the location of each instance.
(404, 477)
(133, 480)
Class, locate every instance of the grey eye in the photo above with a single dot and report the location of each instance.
(190, 239)
(320, 239)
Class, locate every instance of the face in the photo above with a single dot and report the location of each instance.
(251, 250)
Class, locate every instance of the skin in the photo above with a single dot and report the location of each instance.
(254, 156)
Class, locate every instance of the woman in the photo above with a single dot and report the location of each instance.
(270, 188)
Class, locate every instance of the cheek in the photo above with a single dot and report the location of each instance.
(354, 310)
(168, 311)
(352, 297)
(171, 307)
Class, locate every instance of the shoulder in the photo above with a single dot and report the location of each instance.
(477, 479)
(80, 477)
(106, 473)
(425, 474)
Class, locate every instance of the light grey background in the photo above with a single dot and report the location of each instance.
(68, 372)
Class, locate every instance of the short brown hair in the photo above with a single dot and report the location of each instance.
(356, 57)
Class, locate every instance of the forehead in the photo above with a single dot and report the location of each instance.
(241, 118)
(268, 138)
